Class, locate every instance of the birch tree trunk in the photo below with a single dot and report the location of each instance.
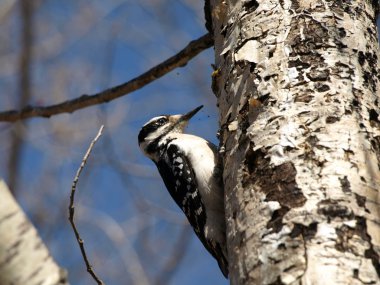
(24, 259)
(298, 90)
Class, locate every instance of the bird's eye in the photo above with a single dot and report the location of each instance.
(161, 121)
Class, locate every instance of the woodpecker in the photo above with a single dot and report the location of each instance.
(190, 170)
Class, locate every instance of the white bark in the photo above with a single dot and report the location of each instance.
(24, 259)
(298, 89)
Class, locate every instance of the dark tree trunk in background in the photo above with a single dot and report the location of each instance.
(298, 90)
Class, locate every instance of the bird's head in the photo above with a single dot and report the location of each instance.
(158, 128)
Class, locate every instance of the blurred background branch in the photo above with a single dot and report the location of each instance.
(20, 129)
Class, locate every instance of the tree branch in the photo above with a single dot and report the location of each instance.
(178, 60)
(72, 209)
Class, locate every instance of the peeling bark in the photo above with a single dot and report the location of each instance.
(298, 91)
(24, 259)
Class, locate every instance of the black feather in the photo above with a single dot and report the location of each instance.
(180, 180)
(151, 127)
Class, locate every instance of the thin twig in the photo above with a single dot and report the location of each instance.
(71, 208)
(178, 60)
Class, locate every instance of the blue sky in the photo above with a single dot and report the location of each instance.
(83, 47)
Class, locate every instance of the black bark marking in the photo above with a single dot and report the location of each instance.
(371, 73)
(372, 254)
(320, 87)
(355, 103)
(318, 74)
(39, 244)
(12, 252)
(373, 115)
(277, 282)
(360, 200)
(8, 216)
(298, 63)
(252, 67)
(343, 244)
(342, 32)
(303, 97)
(264, 99)
(307, 232)
(15, 245)
(361, 230)
(332, 209)
(355, 273)
(275, 222)
(243, 118)
(250, 5)
(34, 273)
(361, 57)
(376, 147)
(278, 183)
(332, 119)
(374, 118)
(295, 5)
(344, 234)
(314, 36)
(24, 227)
(8, 258)
(345, 184)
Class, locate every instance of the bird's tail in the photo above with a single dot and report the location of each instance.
(223, 265)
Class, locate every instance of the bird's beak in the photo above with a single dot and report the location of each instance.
(181, 121)
(190, 114)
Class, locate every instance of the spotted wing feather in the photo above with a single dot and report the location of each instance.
(180, 180)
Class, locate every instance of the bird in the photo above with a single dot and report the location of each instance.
(190, 169)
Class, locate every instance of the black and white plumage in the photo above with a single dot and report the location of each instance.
(188, 165)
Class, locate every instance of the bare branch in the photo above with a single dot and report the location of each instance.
(71, 208)
(178, 60)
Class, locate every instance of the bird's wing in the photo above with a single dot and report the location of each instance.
(180, 180)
